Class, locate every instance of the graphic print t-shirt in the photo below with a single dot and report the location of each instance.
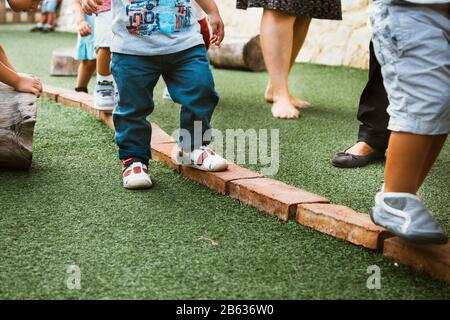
(154, 27)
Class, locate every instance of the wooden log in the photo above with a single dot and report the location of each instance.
(63, 63)
(17, 120)
(238, 52)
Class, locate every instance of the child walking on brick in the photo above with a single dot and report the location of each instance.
(411, 40)
(156, 38)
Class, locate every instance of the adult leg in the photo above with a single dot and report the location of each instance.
(372, 113)
(373, 134)
(277, 33)
(301, 27)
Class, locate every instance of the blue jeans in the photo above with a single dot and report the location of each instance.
(190, 83)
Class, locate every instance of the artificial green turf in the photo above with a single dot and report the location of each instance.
(71, 209)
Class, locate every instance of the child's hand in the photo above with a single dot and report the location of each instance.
(84, 28)
(29, 85)
(90, 6)
(217, 29)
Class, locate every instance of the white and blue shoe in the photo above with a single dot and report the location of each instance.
(405, 215)
(104, 96)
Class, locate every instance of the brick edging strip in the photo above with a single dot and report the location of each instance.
(282, 200)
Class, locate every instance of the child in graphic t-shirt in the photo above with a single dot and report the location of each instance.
(154, 38)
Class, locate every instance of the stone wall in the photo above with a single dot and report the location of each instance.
(329, 42)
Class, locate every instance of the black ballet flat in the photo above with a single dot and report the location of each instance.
(347, 160)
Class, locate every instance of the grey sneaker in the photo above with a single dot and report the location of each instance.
(405, 215)
(104, 96)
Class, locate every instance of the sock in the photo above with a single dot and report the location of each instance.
(101, 79)
(39, 25)
(81, 89)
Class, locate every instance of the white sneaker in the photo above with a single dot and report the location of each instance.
(166, 95)
(202, 158)
(104, 96)
(135, 176)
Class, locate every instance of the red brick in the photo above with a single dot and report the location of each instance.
(163, 153)
(271, 196)
(342, 222)
(86, 100)
(69, 98)
(107, 119)
(219, 180)
(51, 92)
(432, 259)
(160, 136)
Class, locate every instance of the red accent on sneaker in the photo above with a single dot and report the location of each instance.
(137, 170)
(127, 173)
(202, 157)
(126, 162)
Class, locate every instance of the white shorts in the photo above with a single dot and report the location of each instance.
(103, 30)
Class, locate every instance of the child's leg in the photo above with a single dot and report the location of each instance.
(50, 21)
(435, 150)
(40, 24)
(104, 89)
(44, 18)
(104, 62)
(406, 159)
(190, 82)
(416, 77)
(85, 71)
(135, 78)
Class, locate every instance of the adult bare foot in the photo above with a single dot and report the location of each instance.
(29, 85)
(283, 109)
(298, 103)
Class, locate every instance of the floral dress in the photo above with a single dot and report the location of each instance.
(318, 9)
